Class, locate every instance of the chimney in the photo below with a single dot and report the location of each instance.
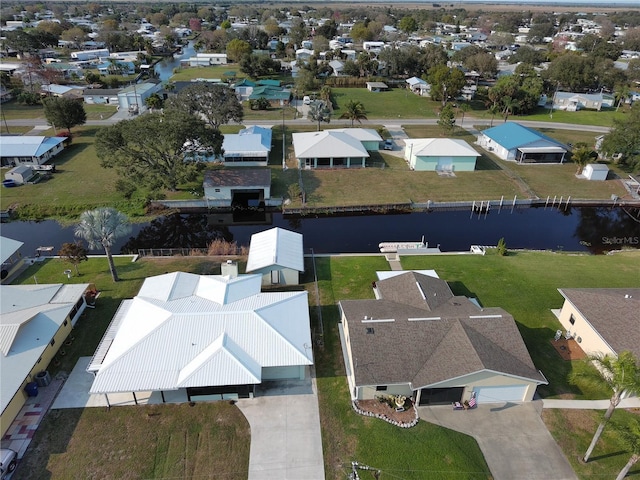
(229, 269)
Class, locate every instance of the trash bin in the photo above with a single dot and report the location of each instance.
(43, 378)
(31, 389)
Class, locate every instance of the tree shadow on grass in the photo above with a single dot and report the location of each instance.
(69, 153)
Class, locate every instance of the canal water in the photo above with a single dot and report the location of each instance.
(164, 68)
(588, 229)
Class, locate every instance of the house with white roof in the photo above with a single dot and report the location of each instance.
(440, 154)
(204, 336)
(35, 320)
(10, 256)
(572, 102)
(418, 86)
(338, 148)
(30, 150)
(277, 254)
(133, 98)
(250, 147)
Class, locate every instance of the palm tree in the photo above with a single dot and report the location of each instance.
(493, 110)
(464, 108)
(581, 155)
(101, 228)
(630, 435)
(319, 112)
(354, 110)
(325, 96)
(509, 104)
(617, 374)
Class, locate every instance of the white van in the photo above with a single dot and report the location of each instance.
(8, 462)
(306, 100)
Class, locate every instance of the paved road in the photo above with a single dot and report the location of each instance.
(468, 122)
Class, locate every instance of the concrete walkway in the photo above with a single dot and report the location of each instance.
(513, 438)
(286, 442)
(633, 402)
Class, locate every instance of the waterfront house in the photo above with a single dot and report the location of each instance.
(418, 339)
(203, 337)
(440, 154)
(515, 142)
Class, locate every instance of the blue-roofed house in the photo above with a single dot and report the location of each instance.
(515, 142)
(30, 150)
(248, 148)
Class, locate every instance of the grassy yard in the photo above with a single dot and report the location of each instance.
(208, 440)
(99, 112)
(396, 103)
(573, 431)
(602, 118)
(14, 111)
(13, 130)
(186, 74)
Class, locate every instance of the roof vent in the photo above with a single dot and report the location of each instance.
(628, 295)
(370, 331)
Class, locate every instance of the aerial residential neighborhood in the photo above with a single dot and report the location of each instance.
(259, 241)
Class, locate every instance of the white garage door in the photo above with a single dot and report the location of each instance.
(511, 393)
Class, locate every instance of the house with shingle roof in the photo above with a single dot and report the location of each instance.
(250, 187)
(419, 339)
(515, 142)
(602, 320)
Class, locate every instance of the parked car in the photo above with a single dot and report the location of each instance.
(8, 463)
(306, 100)
(388, 144)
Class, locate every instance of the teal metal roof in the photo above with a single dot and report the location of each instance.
(513, 135)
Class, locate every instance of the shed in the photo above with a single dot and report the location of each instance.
(242, 186)
(20, 174)
(377, 86)
(277, 254)
(595, 171)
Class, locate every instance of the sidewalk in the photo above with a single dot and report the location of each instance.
(633, 402)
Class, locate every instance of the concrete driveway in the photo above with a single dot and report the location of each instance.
(286, 442)
(515, 442)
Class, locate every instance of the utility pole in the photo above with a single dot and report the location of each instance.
(284, 151)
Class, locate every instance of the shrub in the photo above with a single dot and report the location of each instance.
(502, 247)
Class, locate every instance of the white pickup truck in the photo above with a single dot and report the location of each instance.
(8, 462)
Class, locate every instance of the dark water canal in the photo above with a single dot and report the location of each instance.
(591, 229)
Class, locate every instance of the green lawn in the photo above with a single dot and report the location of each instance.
(14, 111)
(99, 112)
(573, 431)
(186, 74)
(397, 103)
(602, 118)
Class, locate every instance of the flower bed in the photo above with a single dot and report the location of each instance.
(375, 408)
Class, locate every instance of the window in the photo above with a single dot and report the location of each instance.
(217, 190)
(572, 320)
(381, 388)
(64, 324)
(53, 342)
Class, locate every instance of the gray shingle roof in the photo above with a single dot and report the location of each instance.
(237, 177)
(426, 343)
(616, 318)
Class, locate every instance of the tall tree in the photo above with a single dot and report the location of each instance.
(73, 253)
(624, 139)
(630, 435)
(101, 228)
(236, 49)
(152, 148)
(408, 24)
(216, 104)
(354, 110)
(447, 118)
(617, 374)
(445, 83)
(64, 112)
(319, 112)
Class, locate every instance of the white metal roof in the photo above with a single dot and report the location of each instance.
(27, 146)
(327, 144)
(276, 247)
(439, 147)
(30, 316)
(362, 134)
(8, 247)
(222, 333)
